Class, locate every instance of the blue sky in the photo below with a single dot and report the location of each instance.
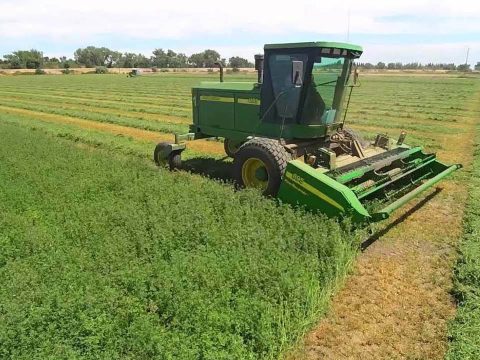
(421, 30)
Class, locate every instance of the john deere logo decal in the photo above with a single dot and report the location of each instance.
(217, 98)
(248, 101)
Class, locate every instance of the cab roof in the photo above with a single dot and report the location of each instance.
(315, 44)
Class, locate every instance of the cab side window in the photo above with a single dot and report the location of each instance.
(287, 96)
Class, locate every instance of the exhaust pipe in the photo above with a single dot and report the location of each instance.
(219, 64)
(259, 67)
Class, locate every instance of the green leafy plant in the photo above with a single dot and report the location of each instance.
(109, 257)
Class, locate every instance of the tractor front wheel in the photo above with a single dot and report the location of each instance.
(175, 160)
(260, 163)
(163, 156)
(231, 147)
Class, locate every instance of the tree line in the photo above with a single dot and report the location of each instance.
(417, 66)
(92, 56)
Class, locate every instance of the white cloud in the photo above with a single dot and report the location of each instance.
(160, 19)
(67, 22)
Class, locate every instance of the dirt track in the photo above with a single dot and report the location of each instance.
(397, 302)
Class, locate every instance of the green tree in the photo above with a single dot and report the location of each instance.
(464, 67)
(142, 61)
(159, 58)
(51, 63)
(131, 60)
(66, 63)
(477, 66)
(21, 59)
(92, 56)
(413, 66)
(239, 62)
(168, 59)
(367, 66)
(128, 60)
(207, 58)
(450, 66)
(380, 65)
(176, 60)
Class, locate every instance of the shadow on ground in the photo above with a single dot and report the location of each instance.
(378, 234)
(210, 167)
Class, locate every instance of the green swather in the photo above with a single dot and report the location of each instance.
(287, 137)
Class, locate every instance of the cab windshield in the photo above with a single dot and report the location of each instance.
(325, 74)
(320, 94)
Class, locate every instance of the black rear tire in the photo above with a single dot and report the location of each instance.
(175, 160)
(160, 155)
(231, 147)
(273, 156)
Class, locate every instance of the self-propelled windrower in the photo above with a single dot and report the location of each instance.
(287, 136)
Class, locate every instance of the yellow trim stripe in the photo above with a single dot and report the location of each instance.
(314, 191)
(217, 98)
(248, 101)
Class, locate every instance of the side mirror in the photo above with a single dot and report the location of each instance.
(297, 73)
(355, 76)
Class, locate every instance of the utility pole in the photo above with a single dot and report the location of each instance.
(348, 25)
(466, 59)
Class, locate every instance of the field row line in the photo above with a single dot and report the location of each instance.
(184, 112)
(172, 124)
(169, 93)
(110, 118)
(109, 110)
(178, 103)
(165, 127)
(425, 108)
(114, 105)
(145, 115)
(405, 104)
(382, 129)
(437, 127)
(180, 94)
(153, 94)
(115, 102)
(200, 146)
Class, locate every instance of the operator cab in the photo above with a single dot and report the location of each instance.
(303, 83)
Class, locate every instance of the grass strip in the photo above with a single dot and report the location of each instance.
(464, 330)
